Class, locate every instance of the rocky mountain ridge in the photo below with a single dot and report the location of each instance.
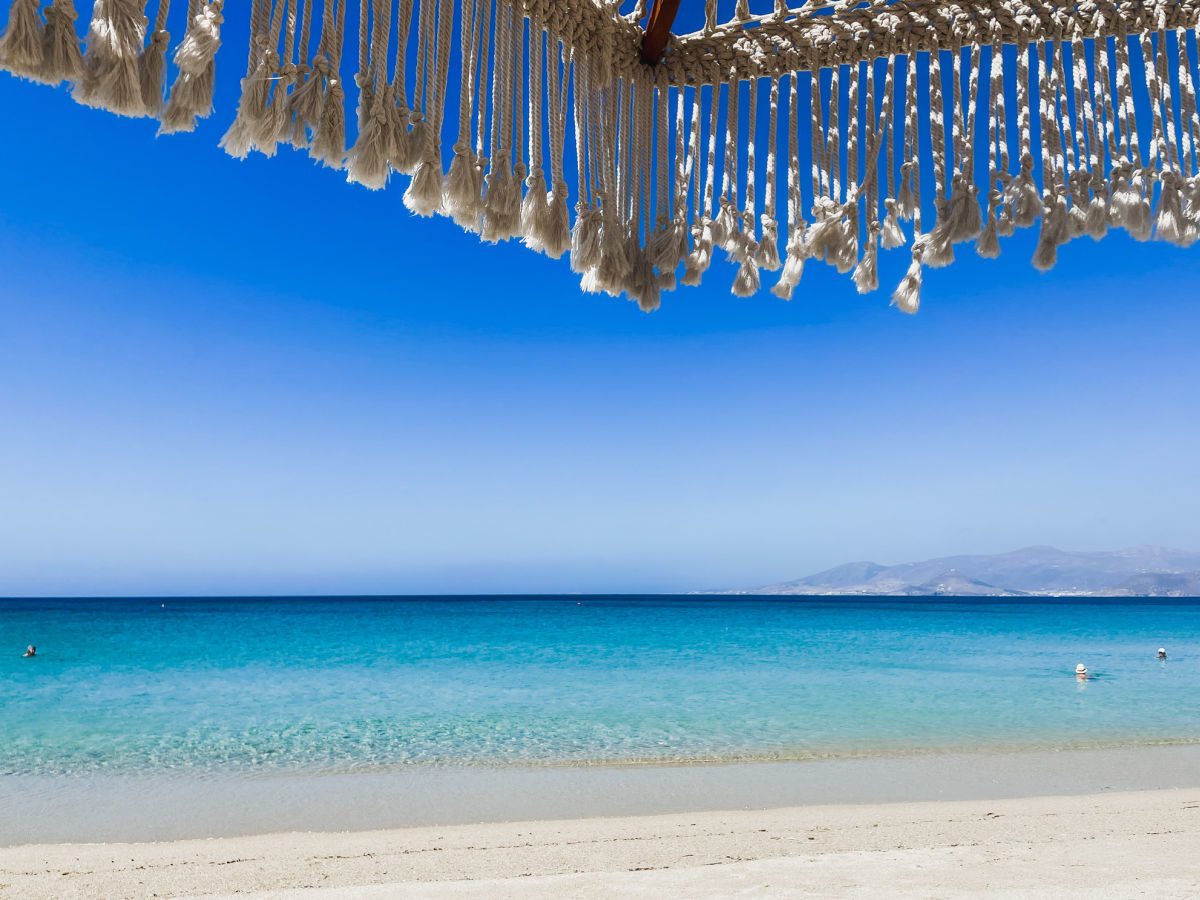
(1031, 571)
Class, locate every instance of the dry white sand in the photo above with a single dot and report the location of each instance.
(1117, 845)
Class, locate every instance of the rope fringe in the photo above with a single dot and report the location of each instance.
(668, 162)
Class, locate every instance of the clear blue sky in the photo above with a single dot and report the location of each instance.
(252, 377)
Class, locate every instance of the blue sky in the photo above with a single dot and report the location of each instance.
(252, 377)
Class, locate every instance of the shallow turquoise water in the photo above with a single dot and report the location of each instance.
(124, 686)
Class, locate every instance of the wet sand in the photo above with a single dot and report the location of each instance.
(173, 807)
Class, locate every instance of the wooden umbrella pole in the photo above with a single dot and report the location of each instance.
(658, 30)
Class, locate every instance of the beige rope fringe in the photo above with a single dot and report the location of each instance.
(902, 110)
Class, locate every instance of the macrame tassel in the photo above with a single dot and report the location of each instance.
(557, 239)
(1138, 221)
(152, 72)
(831, 237)
(748, 281)
(242, 135)
(1021, 194)
(1095, 220)
(62, 58)
(966, 217)
(667, 250)
(535, 211)
(1123, 202)
(1077, 214)
(1024, 199)
(866, 273)
(21, 45)
(616, 263)
(502, 204)
(585, 239)
(1054, 233)
(697, 263)
(424, 194)
(988, 245)
(367, 160)
(1191, 210)
(643, 285)
(406, 143)
(793, 267)
(295, 74)
(535, 207)
(191, 95)
(1168, 223)
(608, 275)
(892, 235)
(329, 140)
(325, 110)
(305, 101)
(1005, 227)
(273, 126)
(905, 200)
(724, 227)
(1055, 229)
(502, 191)
(558, 234)
(768, 248)
(240, 139)
(408, 136)
(939, 251)
(842, 253)
(907, 297)
(462, 190)
(1169, 226)
(660, 248)
(113, 49)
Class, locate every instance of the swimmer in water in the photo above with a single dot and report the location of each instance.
(1081, 672)
(1162, 652)
(30, 651)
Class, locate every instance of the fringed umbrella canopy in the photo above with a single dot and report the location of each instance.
(920, 124)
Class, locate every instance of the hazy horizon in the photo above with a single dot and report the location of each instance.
(666, 591)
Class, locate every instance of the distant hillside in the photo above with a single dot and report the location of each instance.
(1045, 571)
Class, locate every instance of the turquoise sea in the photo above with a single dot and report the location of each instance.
(196, 686)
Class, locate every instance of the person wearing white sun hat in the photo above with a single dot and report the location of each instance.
(1162, 652)
(1081, 672)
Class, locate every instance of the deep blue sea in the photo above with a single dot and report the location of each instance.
(345, 684)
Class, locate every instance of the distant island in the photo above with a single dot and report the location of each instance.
(1032, 571)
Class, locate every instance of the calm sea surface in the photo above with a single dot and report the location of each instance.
(343, 684)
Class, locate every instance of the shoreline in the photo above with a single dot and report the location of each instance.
(1110, 845)
(178, 807)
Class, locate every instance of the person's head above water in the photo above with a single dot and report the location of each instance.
(31, 650)
(1162, 652)
(1081, 669)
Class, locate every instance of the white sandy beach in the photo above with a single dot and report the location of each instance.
(1107, 845)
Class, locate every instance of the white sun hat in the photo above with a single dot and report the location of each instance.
(1081, 669)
